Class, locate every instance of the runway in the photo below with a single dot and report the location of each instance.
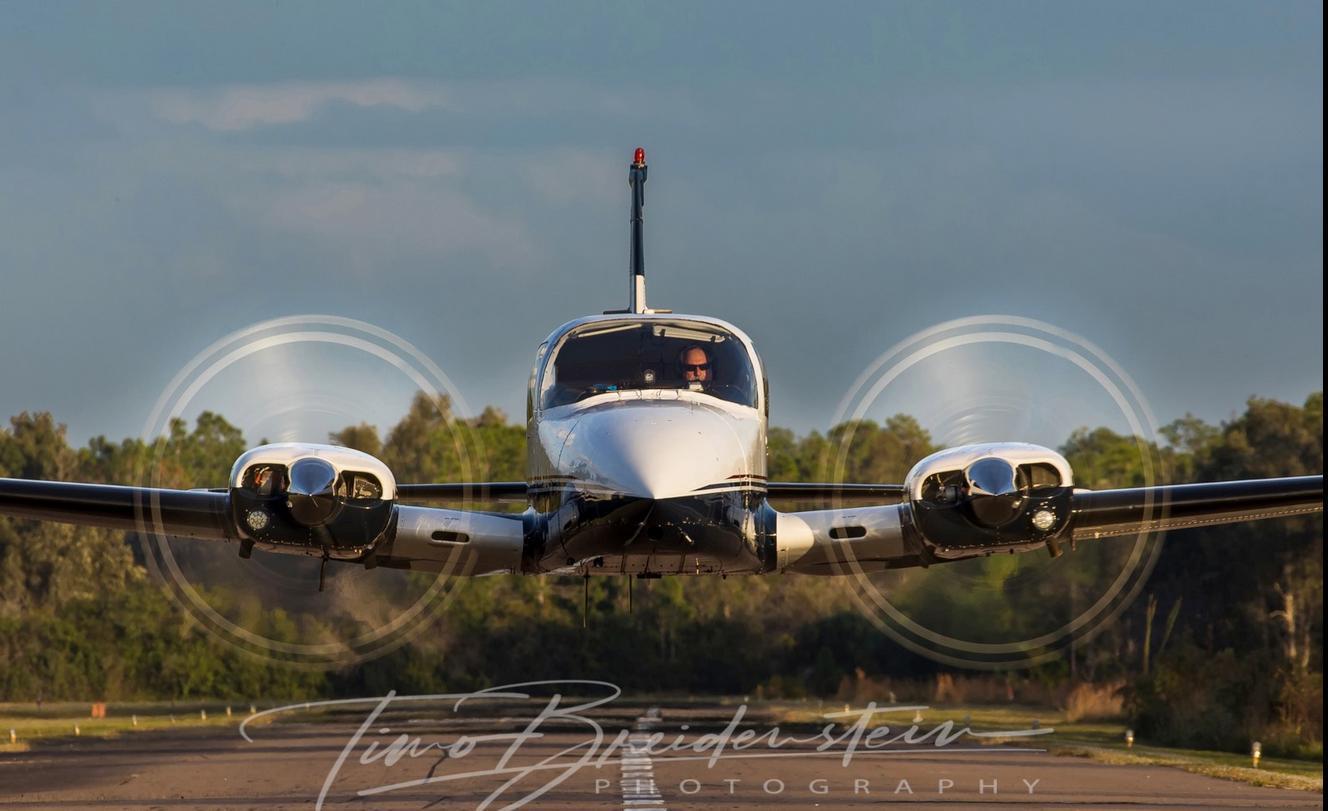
(417, 755)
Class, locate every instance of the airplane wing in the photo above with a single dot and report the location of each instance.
(505, 492)
(311, 500)
(978, 500)
(966, 502)
(1105, 513)
(789, 492)
(185, 513)
(837, 493)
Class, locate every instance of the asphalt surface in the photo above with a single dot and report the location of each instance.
(459, 760)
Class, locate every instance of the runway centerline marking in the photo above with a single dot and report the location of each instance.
(637, 783)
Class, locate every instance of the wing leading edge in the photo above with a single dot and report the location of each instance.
(1106, 513)
(455, 541)
(866, 539)
(839, 493)
(507, 492)
(186, 513)
(513, 492)
(819, 541)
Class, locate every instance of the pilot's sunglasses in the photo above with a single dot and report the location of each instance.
(697, 367)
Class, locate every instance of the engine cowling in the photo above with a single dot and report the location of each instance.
(995, 497)
(309, 499)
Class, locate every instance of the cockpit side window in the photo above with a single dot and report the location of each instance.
(265, 480)
(622, 356)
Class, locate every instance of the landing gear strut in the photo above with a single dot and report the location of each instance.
(322, 570)
(585, 602)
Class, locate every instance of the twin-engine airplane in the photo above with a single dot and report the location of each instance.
(646, 435)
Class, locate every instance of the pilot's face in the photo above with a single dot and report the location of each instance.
(696, 366)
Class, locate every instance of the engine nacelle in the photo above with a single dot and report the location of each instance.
(308, 499)
(1002, 496)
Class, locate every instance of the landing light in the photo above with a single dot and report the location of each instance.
(1044, 520)
(257, 520)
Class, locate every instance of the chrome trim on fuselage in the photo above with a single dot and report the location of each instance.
(342, 459)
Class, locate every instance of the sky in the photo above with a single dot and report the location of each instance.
(832, 178)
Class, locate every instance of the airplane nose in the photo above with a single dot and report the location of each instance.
(655, 451)
(311, 495)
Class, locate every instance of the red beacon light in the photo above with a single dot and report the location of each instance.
(640, 158)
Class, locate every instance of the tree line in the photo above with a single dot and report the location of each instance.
(1224, 644)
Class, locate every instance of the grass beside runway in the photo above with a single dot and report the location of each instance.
(1100, 740)
(54, 721)
(1272, 773)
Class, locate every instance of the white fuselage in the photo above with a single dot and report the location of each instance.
(647, 480)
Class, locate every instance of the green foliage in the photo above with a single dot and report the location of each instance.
(1252, 621)
(1241, 605)
(867, 452)
(362, 437)
(1170, 706)
(431, 445)
(130, 643)
(35, 448)
(78, 616)
(1102, 459)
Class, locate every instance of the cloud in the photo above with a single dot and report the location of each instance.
(382, 217)
(312, 163)
(236, 108)
(529, 109)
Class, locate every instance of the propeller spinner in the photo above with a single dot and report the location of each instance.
(993, 491)
(311, 496)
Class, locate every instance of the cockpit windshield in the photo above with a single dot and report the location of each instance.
(619, 356)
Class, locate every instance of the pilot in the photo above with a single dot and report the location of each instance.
(696, 368)
(263, 481)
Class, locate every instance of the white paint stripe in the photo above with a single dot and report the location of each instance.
(637, 781)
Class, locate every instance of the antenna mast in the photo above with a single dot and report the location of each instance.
(636, 179)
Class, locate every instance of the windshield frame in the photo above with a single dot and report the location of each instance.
(558, 340)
